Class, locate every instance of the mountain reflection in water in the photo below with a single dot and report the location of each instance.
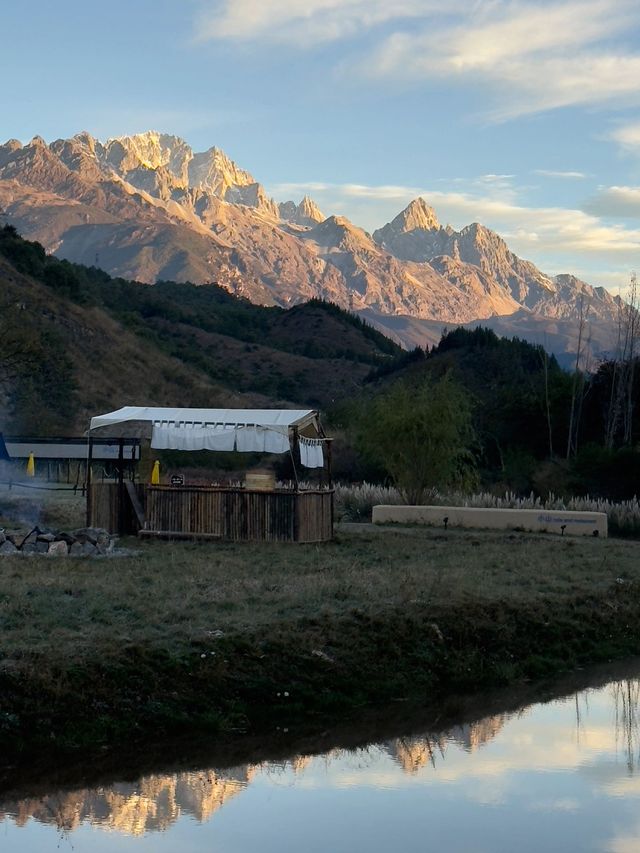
(590, 741)
(157, 801)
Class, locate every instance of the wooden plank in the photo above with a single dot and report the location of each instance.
(241, 514)
(135, 502)
(177, 534)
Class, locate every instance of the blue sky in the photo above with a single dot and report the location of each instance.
(524, 116)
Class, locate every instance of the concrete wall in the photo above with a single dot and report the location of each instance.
(535, 520)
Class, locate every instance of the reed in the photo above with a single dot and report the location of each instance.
(355, 502)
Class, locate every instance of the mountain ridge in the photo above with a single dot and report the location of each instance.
(148, 207)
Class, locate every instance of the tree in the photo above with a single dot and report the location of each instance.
(619, 421)
(421, 435)
(18, 343)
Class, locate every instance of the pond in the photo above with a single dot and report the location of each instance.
(555, 775)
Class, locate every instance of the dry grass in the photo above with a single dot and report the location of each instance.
(178, 636)
(170, 596)
(355, 502)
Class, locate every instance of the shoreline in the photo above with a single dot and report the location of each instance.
(302, 645)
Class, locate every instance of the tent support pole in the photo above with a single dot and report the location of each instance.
(88, 481)
(295, 454)
(121, 487)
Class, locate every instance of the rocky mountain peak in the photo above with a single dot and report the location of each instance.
(333, 230)
(417, 216)
(199, 217)
(214, 171)
(150, 150)
(310, 210)
(416, 223)
(307, 213)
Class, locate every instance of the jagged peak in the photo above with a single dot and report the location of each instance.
(417, 216)
(476, 230)
(153, 136)
(86, 139)
(308, 209)
(338, 231)
(337, 222)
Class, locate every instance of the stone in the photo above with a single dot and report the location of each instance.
(58, 549)
(65, 537)
(31, 539)
(89, 550)
(8, 547)
(3, 538)
(42, 547)
(90, 534)
(30, 548)
(76, 549)
(46, 537)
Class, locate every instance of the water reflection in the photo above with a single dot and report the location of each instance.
(153, 803)
(541, 766)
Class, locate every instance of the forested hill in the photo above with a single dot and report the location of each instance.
(537, 427)
(74, 341)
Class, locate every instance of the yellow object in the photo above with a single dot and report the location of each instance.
(31, 466)
(155, 474)
(260, 481)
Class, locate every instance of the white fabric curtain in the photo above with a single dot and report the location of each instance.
(261, 440)
(193, 438)
(311, 455)
(243, 439)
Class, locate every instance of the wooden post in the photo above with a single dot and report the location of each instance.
(88, 480)
(329, 460)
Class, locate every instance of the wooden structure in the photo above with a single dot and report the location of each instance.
(232, 514)
(184, 511)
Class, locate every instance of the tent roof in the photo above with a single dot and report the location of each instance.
(161, 416)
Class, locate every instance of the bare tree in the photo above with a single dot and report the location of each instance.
(620, 414)
(577, 390)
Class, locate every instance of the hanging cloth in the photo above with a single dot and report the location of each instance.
(261, 440)
(248, 439)
(193, 438)
(311, 455)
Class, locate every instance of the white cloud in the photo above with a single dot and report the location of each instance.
(615, 201)
(533, 56)
(627, 136)
(303, 21)
(537, 56)
(504, 33)
(552, 173)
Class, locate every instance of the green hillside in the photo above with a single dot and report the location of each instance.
(76, 341)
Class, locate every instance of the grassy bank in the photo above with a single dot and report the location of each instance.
(182, 637)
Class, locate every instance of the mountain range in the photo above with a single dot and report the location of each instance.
(147, 207)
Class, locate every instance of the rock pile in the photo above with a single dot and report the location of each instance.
(85, 542)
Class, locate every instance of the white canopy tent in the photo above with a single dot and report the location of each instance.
(243, 430)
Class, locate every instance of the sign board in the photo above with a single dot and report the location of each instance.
(177, 480)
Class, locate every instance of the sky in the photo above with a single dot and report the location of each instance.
(524, 116)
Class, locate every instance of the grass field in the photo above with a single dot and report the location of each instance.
(218, 635)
